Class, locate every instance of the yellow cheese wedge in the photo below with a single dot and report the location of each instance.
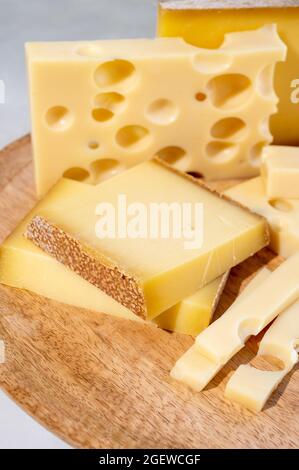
(216, 345)
(193, 314)
(204, 23)
(252, 387)
(280, 172)
(281, 214)
(25, 266)
(100, 107)
(148, 274)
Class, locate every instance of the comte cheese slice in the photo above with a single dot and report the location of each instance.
(146, 274)
(204, 23)
(280, 172)
(281, 214)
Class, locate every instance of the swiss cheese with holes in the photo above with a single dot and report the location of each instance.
(25, 266)
(101, 107)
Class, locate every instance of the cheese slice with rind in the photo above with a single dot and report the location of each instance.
(147, 274)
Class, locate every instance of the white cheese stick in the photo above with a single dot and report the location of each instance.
(252, 387)
(215, 346)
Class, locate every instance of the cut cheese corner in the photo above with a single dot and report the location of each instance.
(193, 314)
(251, 385)
(280, 172)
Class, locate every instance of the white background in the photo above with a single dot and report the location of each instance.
(44, 20)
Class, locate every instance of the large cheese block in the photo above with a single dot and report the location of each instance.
(146, 269)
(25, 266)
(281, 214)
(216, 345)
(204, 23)
(100, 107)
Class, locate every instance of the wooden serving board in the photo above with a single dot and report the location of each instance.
(98, 381)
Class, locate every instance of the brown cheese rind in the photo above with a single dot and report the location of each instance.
(226, 4)
(104, 275)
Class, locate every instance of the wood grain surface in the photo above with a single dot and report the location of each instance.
(102, 382)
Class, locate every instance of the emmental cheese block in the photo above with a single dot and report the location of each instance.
(281, 214)
(101, 107)
(193, 314)
(216, 345)
(204, 23)
(146, 274)
(280, 172)
(252, 385)
(25, 266)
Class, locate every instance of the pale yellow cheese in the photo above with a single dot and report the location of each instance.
(163, 270)
(100, 107)
(188, 366)
(193, 314)
(204, 23)
(215, 346)
(25, 266)
(252, 387)
(280, 172)
(281, 214)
